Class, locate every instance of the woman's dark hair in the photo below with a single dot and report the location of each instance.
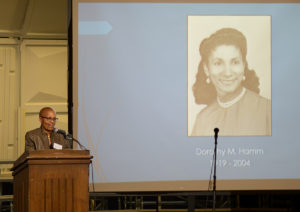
(205, 93)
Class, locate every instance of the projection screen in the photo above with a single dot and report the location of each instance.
(137, 104)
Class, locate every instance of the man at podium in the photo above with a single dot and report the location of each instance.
(45, 136)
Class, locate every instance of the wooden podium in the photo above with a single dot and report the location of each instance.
(52, 181)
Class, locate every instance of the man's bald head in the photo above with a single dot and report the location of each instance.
(44, 109)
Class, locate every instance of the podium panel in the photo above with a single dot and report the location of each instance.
(52, 181)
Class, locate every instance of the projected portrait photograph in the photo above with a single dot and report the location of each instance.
(229, 80)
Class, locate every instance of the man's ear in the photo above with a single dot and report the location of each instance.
(40, 119)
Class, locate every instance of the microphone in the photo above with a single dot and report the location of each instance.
(59, 131)
(216, 132)
(69, 137)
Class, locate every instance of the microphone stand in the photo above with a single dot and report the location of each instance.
(215, 170)
(71, 138)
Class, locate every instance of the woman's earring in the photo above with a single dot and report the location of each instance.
(244, 78)
(207, 80)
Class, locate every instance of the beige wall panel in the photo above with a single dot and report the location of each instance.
(2, 90)
(44, 72)
(43, 83)
(9, 101)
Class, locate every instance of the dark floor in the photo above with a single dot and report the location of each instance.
(185, 201)
(198, 201)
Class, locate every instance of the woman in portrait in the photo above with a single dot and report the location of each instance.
(229, 89)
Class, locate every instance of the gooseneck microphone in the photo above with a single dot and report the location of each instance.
(69, 137)
(59, 131)
(216, 132)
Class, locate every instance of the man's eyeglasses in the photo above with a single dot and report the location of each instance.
(49, 118)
